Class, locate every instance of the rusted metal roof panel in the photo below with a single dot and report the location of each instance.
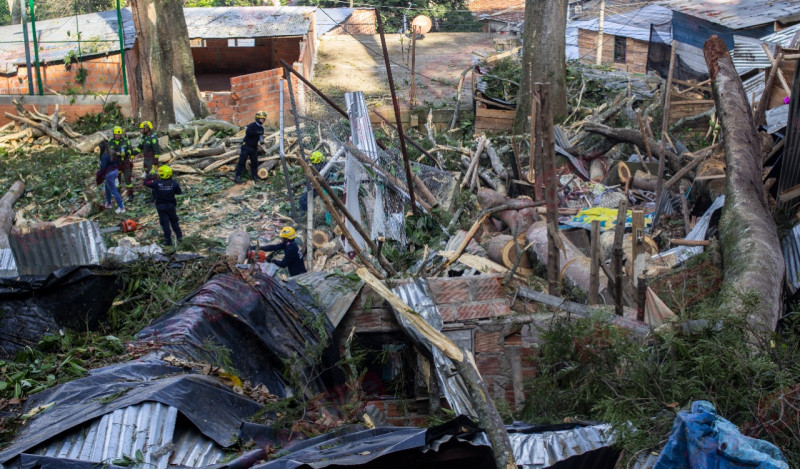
(247, 22)
(149, 427)
(738, 14)
(41, 252)
(99, 35)
(333, 293)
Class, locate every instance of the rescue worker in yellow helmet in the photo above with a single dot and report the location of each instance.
(253, 135)
(148, 147)
(317, 160)
(292, 256)
(120, 146)
(165, 188)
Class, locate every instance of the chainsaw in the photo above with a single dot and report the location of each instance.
(126, 226)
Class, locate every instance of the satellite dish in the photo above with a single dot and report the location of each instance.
(421, 24)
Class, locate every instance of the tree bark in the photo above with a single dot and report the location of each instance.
(163, 45)
(7, 213)
(543, 58)
(635, 137)
(15, 11)
(751, 252)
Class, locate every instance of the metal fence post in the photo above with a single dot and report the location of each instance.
(122, 50)
(36, 48)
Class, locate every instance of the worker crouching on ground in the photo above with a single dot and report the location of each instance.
(253, 135)
(121, 147)
(292, 257)
(164, 191)
(108, 172)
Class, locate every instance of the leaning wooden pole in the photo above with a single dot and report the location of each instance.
(751, 250)
(488, 417)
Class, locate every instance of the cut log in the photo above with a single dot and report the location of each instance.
(751, 251)
(7, 212)
(645, 181)
(576, 266)
(501, 249)
(24, 133)
(204, 125)
(238, 244)
(494, 160)
(636, 138)
(265, 167)
(44, 129)
(319, 238)
(517, 219)
(90, 142)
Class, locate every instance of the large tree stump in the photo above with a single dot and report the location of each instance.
(751, 252)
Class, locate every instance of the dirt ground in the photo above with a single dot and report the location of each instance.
(355, 63)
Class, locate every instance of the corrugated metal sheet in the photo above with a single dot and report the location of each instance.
(738, 14)
(749, 55)
(332, 292)
(98, 33)
(790, 168)
(416, 296)
(754, 87)
(8, 266)
(246, 22)
(791, 257)
(540, 450)
(149, 427)
(634, 24)
(41, 252)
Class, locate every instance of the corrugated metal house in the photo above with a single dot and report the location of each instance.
(626, 38)
(694, 22)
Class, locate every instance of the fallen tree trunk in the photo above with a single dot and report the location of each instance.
(201, 126)
(749, 238)
(519, 219)
(7, 213)
(501, 249)
(635, 137)
(44, 129)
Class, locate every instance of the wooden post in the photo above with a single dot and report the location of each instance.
(759, 116)
(599, 59)
(641, 300)
(664, 128)
(594, 272)
(619, 232)
(413, 92)
(551, 193)
(638, 258)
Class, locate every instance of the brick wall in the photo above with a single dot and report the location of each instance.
(362, 21)
(478, 304)
(217, 57)
(68, 106)
(102, 76)
(635, 51)
(257, 92)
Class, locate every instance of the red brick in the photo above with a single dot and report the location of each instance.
(486, 342)
(475, 311)
(528, 357)
(448, 313)
(485, 287)
(488, 365)
(449, 290)
(513, 339)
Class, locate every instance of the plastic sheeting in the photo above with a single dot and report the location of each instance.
(456, 444)
(681, 254)
(702, 439)
(72, 297)
(563, 446)
(258, 319)
(212, 407)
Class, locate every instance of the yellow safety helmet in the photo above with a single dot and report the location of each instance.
(118, 130)
(261, 115)
(316, 157)
(164, 172)
(147, 124)
(287, 232)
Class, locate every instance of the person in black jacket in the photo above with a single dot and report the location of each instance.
(292, 257)
(164, 191)
(253, 135)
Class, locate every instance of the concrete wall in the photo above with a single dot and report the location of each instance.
(476, 305)
(635, 55)
(70, 107)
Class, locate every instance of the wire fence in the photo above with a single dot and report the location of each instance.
(366, 173)
(72, 47)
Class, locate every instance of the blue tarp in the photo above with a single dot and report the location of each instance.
(701, 439)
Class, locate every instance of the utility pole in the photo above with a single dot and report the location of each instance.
(24, 23)
(600, 33)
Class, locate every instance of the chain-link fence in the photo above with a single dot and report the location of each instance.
(68, 47)
(367, 173)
